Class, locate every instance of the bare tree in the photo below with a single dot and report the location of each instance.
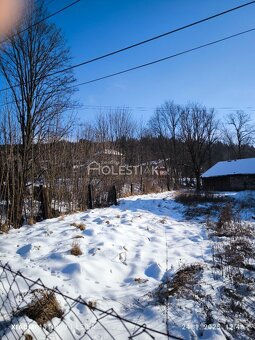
(198, 133)
(165, 124)
(238, 132)
(31, 64)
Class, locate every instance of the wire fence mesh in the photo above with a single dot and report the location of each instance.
(30, 310)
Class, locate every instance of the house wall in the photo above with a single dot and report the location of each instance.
(229, 183)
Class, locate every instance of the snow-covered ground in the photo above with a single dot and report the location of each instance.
(127, 250)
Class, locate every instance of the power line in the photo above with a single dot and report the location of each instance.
(161, 35)
(158, 60)
(42, 20)
(136, 44)
(165, 58)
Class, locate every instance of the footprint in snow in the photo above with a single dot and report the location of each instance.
(25, 250)
(98, 220)
(196, 238)
(153, 270)
(93, 251)
(71, 268)
(88, 232)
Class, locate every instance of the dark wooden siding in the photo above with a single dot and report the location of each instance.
(229, 183)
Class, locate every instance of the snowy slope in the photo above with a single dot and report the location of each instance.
(142, 238)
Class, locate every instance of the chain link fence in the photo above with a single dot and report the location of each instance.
(30, 310)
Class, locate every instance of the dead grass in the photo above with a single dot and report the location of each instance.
(76, 249)
(139, 280)
(43, 307)
(28, 337)
(78, 236)
(229, 225)
(80, 226)
(194, 211)
(232, 229)
(92, 304)
(191, 198)
(4, 228)
(248, 202)
(234, 254)
(200, 204)
(183, 284)
(226, 215)
(31, 221)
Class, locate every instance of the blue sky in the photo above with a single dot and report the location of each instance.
(219, 76)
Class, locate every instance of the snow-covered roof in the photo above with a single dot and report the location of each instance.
(236, 167)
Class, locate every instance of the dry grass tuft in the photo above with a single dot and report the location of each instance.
(80, 226)
(92, 304)
(76, 249)
(4, 228)
(139, 280)
(43, 307)
(61, 217)
(31, 221)
(78, 236)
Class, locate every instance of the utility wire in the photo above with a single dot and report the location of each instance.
(157, 60)
(160, 35)
(40, 21)
(163, 59)
(136, 44)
